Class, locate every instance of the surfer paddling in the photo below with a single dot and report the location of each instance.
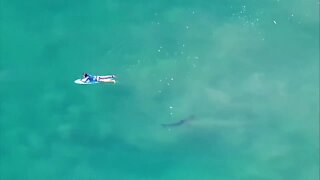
(92, 78)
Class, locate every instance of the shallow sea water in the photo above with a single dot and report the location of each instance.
(247, 71)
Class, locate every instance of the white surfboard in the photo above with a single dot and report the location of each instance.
(78, 81)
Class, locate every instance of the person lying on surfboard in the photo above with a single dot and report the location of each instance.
(91, 78)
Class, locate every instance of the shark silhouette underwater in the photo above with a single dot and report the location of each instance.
(178, 123)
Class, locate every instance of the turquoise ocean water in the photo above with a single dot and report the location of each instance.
(248, 71)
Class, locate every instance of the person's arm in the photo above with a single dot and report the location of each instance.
(85, 79)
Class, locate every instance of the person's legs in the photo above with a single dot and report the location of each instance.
(106, 77)
(109, 80)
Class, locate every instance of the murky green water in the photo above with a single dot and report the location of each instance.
(247, 71)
